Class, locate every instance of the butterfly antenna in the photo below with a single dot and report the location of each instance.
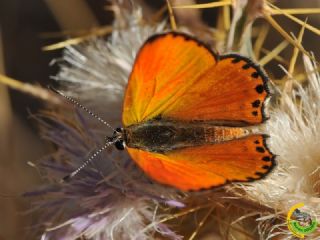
(73, 101)
(89, 160)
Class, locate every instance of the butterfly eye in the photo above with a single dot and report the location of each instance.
(120, 145)
(118, 130)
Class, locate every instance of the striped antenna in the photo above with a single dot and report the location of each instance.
(89, 160)
(73, 101)
(109, 142)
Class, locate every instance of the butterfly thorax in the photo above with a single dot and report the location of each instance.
(162, 136)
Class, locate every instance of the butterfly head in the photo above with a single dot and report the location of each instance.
(117, 138)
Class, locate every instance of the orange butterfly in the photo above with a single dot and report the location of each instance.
(185, 115)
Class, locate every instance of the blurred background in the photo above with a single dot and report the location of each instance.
(25, 28)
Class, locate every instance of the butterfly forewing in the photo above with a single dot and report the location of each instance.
(167, 66)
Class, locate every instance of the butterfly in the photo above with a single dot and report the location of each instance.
(187, 114)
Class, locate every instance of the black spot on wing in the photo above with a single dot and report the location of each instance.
(256, 103)
(246, 66)
(266, 159)
(250, 179)
(255, 75)
(260, 149)
(260, 174)
(236, 60)
(259, 88)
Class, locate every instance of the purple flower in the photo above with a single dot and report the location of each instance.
(111, 198)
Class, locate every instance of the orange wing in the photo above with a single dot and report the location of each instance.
(203, 167)
(233, 90)
(177, 77)
(167, 66)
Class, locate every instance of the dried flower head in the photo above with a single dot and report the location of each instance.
(111, 198)
(294, 128)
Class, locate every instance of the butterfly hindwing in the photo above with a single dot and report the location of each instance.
(207, 166)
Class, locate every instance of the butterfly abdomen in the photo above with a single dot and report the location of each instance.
(220, 134)
(163, 136)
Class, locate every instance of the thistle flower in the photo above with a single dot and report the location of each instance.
(111, 198)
